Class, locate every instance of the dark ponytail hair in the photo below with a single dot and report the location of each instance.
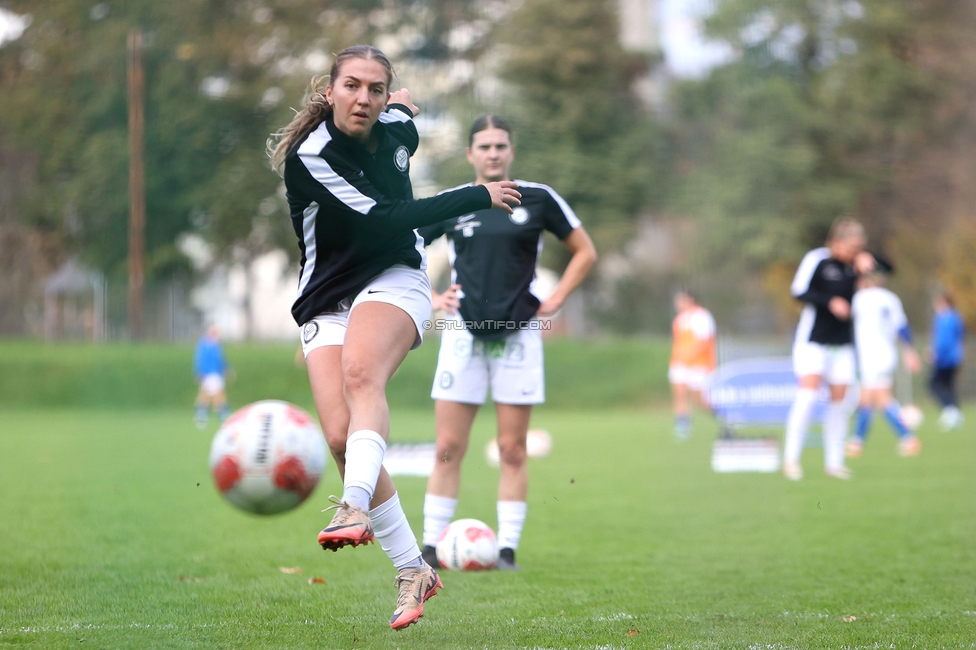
(489, 122)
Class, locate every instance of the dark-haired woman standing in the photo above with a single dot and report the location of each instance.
(496, 340)
(363, 293)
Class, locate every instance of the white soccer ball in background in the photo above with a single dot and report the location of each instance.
(911, 416)
(267, 457)
(467, 545)
(492, 454)
(538, 443)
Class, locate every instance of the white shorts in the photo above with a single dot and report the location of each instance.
(876, 368)
(876, 375)
(877, 380)
(835, 363)
(512, 366)
(399, 285)
(212, 384)
(695, 377)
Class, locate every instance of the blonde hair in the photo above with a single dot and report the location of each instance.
(845, 228)
(317, 108)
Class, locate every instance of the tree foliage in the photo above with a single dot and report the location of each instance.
(827, 107)
(830, 107)
(580, 126)
(64, 89)
(221, 75)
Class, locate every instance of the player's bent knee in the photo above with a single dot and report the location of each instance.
(360, 380)
(335, 437)
(337, 446)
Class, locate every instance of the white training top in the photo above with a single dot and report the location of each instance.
(878, 316)
(697, 320)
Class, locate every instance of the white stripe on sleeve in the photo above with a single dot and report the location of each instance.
(571, 217)
(394, 115)
(419, 246)
(804, 273)
(805, 327)
(457, 187)
(308, 235)
(339, 187)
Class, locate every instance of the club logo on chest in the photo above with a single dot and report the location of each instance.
(519, 216)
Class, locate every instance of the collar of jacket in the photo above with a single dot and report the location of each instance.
(348, 142)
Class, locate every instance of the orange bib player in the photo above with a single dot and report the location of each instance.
(692, 359)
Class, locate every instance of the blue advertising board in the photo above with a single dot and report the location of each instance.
(757, 392)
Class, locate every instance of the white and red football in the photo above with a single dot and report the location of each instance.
(467, 545)
(267, 457)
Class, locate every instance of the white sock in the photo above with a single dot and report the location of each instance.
(796, 424)
(364, 458)
(511, 518)
(390, 526)
(438, 512)
(834, 434)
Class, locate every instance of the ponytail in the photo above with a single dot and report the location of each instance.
(317, 110)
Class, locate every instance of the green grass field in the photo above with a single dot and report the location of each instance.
(113, 536)
(591, 374)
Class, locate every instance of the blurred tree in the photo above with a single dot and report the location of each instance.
(207, 98)
(220, 77)
(792, 133)
(580, 126)
(958, 273)
(829, 107)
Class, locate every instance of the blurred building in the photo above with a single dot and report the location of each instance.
(640, 32)
(74, 303)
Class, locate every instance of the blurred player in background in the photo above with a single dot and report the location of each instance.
(363, 294)
(946, 352)
(493, 260)
(692, 359)
(879, 323)
(210, 368)
(823, 348)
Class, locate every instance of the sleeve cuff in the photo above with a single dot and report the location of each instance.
(403, 108)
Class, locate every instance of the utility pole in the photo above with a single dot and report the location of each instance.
(137, 186)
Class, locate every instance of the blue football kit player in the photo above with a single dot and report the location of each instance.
(210, 368)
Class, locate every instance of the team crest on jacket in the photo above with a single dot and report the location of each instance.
(519, 216)
(832, 273)
(401, 158)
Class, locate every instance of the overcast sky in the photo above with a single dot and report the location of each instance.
(687, 52)
(10, 25)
